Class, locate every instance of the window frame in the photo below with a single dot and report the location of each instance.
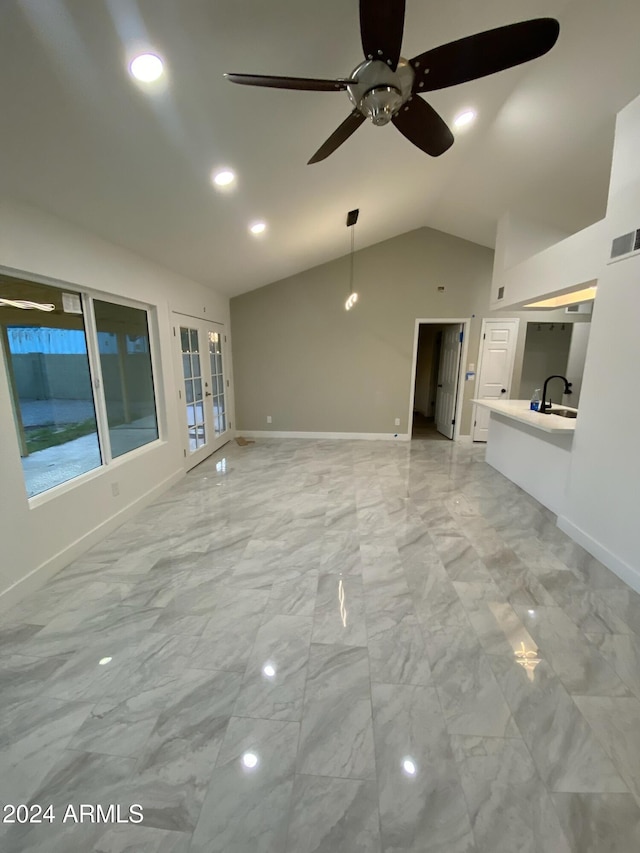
(154, 356)
(87, 296)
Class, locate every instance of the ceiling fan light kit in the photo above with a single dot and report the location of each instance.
(385, 87)
(378, 92)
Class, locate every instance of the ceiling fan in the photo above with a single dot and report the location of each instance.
(384, 87)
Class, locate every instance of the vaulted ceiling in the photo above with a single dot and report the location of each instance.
(80, 139)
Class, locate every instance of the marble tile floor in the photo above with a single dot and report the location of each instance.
(328, 647)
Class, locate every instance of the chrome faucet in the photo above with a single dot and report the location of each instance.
(544, 406)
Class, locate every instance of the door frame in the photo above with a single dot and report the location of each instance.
(483, 331)
(215, 442)
(466, 324)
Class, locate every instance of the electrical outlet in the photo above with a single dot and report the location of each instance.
(397, 421)
(268, 419)
(115, 489)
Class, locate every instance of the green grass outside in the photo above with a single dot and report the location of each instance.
(50, 435)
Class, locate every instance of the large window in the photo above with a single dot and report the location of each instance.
(52, 359)
(127, 380)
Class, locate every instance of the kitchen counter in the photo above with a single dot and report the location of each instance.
(531, 449)
(520, 410)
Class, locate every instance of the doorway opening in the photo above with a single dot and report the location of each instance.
(436, 390)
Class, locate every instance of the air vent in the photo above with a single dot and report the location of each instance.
(501, 293)
(626, 244)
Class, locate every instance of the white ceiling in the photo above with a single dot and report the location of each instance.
(79, 139)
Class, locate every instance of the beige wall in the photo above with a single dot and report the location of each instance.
(314, 367)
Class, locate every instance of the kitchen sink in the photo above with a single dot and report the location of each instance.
(563, 413)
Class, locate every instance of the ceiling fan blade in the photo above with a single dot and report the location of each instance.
(381, 27)
(422, 125)
(307, 84)
(340, 135)
(483, 54)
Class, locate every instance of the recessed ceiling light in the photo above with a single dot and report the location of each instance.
(269, 670)
(223, 177)
(147, 67)
(464, 118)
(258, 228)
(104, 661)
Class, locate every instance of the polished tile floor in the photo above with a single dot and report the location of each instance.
(316, 646)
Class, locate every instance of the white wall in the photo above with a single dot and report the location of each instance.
(602, 492)
(517, 239)
(39, 540)
(577, 360)
(576, 261)
(602, 497)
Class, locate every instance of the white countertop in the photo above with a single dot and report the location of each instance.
(520, 410)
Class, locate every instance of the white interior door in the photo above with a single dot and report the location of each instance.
(202, 394)
(448, 372)
(495, 369)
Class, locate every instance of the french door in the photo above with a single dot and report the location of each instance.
(202, 394)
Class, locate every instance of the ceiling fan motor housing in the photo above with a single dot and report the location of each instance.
(382, 89)
(381, 104)
(379, 92)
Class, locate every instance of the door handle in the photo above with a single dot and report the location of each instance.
(439, 386)
(208, 394)
(503, 391)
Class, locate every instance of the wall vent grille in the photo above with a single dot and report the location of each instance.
(625, 244)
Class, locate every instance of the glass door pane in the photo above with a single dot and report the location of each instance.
(193, 388)
(199, 363)
(218, 384)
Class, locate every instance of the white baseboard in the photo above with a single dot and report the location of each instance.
(353, 436)
(40, 575)
(619, 567)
